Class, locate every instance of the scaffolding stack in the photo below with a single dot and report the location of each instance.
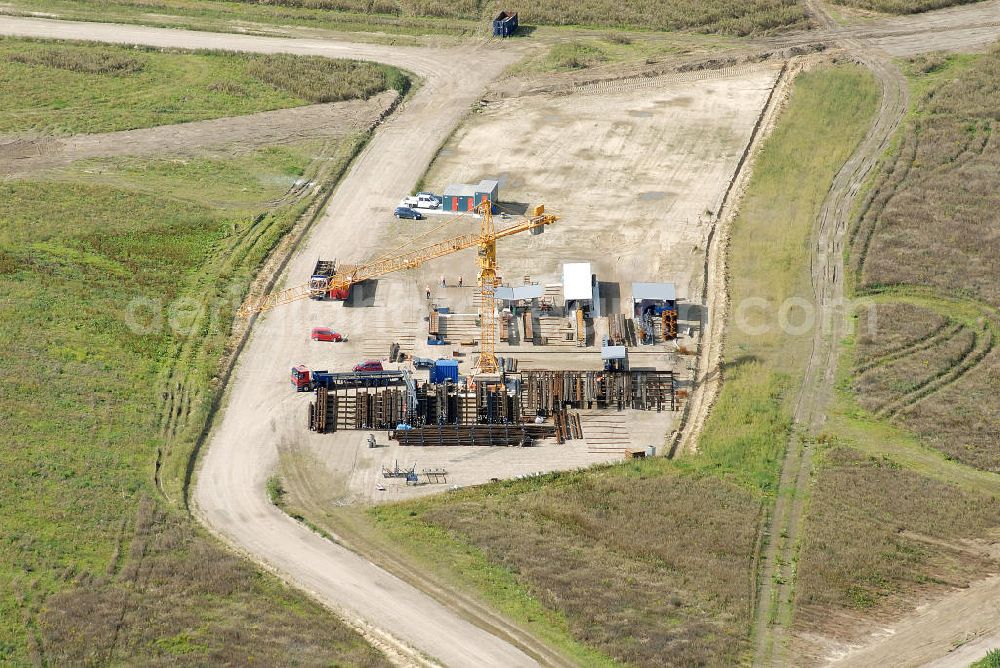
(547, 391)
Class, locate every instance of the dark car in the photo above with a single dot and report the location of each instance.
(407, 212)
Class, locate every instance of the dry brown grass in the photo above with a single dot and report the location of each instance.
(933, 220)
(885, 383)
(649, 567)
(319, 79)
(902, 6)
(724, 16)
(963, 419)
(177, 598)
(886, 329)
(876, 534)
(929, 228)
(114, 62)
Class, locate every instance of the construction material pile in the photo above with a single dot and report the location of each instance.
(509, 435)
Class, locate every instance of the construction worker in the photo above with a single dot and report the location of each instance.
(427, 290)
(443, 284)
(459, 281)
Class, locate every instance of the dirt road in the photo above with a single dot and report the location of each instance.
(20, 155)
(229, 495)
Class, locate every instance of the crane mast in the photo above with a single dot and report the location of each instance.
(488, 281)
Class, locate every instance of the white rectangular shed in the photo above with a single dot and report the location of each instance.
(577, 281)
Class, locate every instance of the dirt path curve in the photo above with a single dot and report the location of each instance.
(20, 155)
(229, 495)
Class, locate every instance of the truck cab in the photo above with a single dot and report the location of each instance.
(422, 201)
(301, 378)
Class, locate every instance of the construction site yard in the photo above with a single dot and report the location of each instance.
(344, 470)
(643, 212)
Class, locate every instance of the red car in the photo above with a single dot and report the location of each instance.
(369, 365)
(325, 334)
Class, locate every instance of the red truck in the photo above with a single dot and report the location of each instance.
(319, 282)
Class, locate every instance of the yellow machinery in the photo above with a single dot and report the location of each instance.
(400, 259)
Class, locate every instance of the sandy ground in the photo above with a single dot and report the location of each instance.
(354, 470)
(21, 154)
(633, 174)
(667, 154)
(931, 637)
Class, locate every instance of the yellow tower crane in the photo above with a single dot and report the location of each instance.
(485, 241)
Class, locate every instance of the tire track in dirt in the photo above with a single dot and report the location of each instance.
(20, 154)
(981, 346)
(945, 331)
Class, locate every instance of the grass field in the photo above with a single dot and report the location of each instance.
(902, 6)
(769, 262)
(928, 224)
(651, 559)
(872, 530)
(66, 88)
(118, 279)
(465, 17)
(111, 300)
(923, 235)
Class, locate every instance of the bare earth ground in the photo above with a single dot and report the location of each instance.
(21, 154)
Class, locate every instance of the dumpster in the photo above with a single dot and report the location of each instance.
(504, 24)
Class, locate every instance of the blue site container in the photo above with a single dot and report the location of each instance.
(445, 370)
(504, 24)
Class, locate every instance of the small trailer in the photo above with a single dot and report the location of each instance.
(505, 24)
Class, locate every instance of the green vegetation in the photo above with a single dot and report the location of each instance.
(991, 660)
(902, 6)
(466, 17)
(71, 88)
(174, 596)
(224, 16)
(275, 491)
(574, 55)
(115, 305)
(769, 250)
